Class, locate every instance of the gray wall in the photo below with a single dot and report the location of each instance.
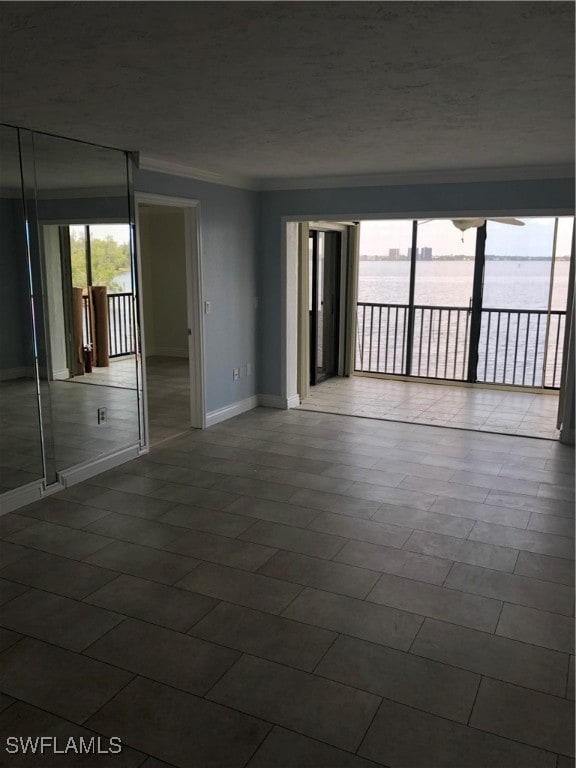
(228, 223)
(497, 198)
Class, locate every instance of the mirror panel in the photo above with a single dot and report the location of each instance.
(83, 259)
(20, 434)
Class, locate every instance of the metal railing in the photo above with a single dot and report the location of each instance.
(120, 324)
(522, 347)
(516, 347)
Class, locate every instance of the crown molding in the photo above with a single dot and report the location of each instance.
(156, 164)
(408, 178)
(460, 176)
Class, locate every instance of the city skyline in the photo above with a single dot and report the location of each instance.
(534, 240)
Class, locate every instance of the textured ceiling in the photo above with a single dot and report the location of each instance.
(270, 91)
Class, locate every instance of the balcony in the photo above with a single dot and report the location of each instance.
(520, 348)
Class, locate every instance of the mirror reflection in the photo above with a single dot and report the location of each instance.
(20, 440)
(83, 230)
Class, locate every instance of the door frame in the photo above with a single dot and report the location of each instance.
(194, 303)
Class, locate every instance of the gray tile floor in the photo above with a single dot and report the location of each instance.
(77, 436)
(168, 383)
(487, 409)
(73, 408)
(302, 590)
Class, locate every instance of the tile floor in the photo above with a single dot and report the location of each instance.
(483, 409)
(168, 382)
(120, 373)
(73, 407)
(302, 590)
(77, 435)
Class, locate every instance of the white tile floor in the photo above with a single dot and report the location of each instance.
(483, 409)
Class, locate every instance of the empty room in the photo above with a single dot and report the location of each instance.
(287, 384)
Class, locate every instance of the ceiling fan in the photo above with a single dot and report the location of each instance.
(464, 224)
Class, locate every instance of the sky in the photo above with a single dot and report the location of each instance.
(533, 239)
(377, 237)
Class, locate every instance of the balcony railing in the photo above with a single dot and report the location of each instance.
(516, 347)
(120, 324)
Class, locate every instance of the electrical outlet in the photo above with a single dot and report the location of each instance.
(248, 369)
(102, 415)
(236, 374)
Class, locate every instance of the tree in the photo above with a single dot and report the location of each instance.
(109, 258)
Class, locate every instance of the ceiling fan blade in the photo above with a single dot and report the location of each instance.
(464, 224)
(509, 220)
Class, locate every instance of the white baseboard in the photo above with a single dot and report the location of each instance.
(6, 374)
(27, 494)
(20, 497)
(90, 468)
(61, 375)
(215, 417)
(276, 401)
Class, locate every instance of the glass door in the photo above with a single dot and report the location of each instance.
(524, 302)
(383, 296)
(443, 299)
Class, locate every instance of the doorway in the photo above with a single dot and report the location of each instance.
(170, 315)
(325, 250)
(477, 307)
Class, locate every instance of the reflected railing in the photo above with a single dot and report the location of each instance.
(516, 347)
(121, 332)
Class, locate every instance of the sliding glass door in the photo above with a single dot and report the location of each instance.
(466, 299)
(383, 296)
(443, 288)
(524, 302)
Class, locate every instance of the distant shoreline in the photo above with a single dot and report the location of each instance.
(489, 257)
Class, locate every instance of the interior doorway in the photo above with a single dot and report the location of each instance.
(170, 315)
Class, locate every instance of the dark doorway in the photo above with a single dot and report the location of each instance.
(324, 304)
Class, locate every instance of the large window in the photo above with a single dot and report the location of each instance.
(478, 300)
(383, 294)
(524, 301)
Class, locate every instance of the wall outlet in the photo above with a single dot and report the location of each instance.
(236, 374)
(248, 369)
(102, 415)
(207, 307)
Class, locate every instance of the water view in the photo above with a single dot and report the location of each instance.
(507, 284)
(523, 311)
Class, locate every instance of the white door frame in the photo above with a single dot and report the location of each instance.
(194, 303)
